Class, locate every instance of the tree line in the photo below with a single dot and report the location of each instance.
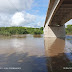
(68, 30)
(7, 31)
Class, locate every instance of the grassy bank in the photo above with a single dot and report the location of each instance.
(7, 31)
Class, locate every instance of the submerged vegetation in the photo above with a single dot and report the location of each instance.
(7, 31)
(69, 30)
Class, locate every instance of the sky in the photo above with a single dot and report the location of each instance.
(26, 13)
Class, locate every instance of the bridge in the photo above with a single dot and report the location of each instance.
(59, 12)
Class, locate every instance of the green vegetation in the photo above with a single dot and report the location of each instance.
(69, 30)
(7, 31)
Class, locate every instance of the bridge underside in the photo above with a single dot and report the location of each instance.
(59, 12)
(63, 14)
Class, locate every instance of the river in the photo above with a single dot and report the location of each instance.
(35, 54)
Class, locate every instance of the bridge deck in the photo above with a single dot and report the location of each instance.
(62, 14)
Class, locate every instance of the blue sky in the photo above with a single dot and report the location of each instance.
(26, 13)
(39, 7)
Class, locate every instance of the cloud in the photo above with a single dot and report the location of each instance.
(12, 6)
(39, 24)
(4, 19)
(17, 19)
(13, 13)
(22, 19)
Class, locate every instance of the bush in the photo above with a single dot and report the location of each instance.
(69, 29)
(37, 32)
(5, 33)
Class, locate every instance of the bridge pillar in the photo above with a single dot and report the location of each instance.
(54, 31)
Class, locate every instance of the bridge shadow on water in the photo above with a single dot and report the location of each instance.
(55, 59)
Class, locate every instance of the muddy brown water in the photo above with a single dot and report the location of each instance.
(35, 54)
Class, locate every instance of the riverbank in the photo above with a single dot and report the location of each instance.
(22, 36)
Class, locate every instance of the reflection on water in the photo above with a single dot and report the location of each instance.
(27, 53)
(57, 55)
(35, 54)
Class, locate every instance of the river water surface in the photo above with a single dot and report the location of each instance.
(35, 54)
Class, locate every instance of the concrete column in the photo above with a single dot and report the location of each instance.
(54, 31)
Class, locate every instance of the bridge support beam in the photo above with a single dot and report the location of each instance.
(54, 31)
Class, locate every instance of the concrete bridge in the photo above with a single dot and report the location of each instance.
(59, 12)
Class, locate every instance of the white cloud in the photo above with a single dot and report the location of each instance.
(40, 24)
(11, 6)
(17, 19)
(22, 19)
(9, 16)
(4, 19)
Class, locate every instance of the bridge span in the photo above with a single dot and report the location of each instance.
(59, 12)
